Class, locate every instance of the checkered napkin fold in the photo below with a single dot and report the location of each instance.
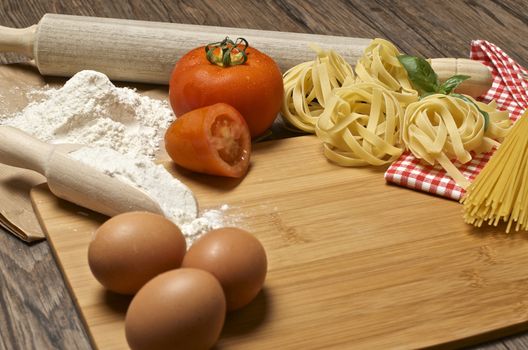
(509, 90)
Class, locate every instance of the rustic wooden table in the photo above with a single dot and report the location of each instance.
(36, 310)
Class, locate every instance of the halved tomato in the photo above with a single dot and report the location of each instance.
(212, 140)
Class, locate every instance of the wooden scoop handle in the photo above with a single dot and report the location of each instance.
(18, 40)
(70, 179)
(21, 150)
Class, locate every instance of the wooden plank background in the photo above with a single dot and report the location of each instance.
(36, 311)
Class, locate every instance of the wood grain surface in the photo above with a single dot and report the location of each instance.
(354, 263)
(36, 310)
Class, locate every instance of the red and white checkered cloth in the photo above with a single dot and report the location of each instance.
(509, 89)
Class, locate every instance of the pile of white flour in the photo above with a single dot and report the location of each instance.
(90, 110)
(123, 130)
(175, 199)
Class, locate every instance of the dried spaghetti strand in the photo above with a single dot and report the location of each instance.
(500, 192)
(308, 86)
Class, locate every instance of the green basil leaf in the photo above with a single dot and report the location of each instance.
(420, 72)
(484, 113)
(452, 83)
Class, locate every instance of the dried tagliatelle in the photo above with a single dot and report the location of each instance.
(380, 64)
(361, 125)
(307, 87)
(441, 128)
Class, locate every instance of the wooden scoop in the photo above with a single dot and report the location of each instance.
(141, 51)
(70, 179)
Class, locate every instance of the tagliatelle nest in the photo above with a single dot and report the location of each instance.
(308, 86)
(361, 125)
(379, 64)
(441, 128)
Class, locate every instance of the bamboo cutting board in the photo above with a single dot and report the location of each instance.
(354, 263)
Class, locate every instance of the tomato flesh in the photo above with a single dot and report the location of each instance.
(213, 140)
(227, 140)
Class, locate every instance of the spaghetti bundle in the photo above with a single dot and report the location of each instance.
(361, 125)
(308, 86)
(379, 64)
(500, 191)
(440, 128)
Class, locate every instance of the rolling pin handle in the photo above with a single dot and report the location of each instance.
(480, 80)
(19, 40)
(22, 150)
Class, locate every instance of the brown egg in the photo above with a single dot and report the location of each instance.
(131, 248)
(180, 309)
(236, 258)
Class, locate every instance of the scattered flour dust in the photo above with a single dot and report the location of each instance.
(89, 109)
(123, 129)
(175, 199)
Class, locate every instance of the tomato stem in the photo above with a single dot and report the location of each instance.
(227, 53)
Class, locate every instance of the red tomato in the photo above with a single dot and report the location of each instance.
(213, 140)
(254, 88)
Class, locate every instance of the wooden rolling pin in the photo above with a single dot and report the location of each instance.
(141, 51)
(70, 179)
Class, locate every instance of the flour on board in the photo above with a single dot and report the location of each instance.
(176, 200)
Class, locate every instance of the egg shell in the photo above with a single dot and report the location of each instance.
(131, 248)
(182, 309)
(236, 258)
